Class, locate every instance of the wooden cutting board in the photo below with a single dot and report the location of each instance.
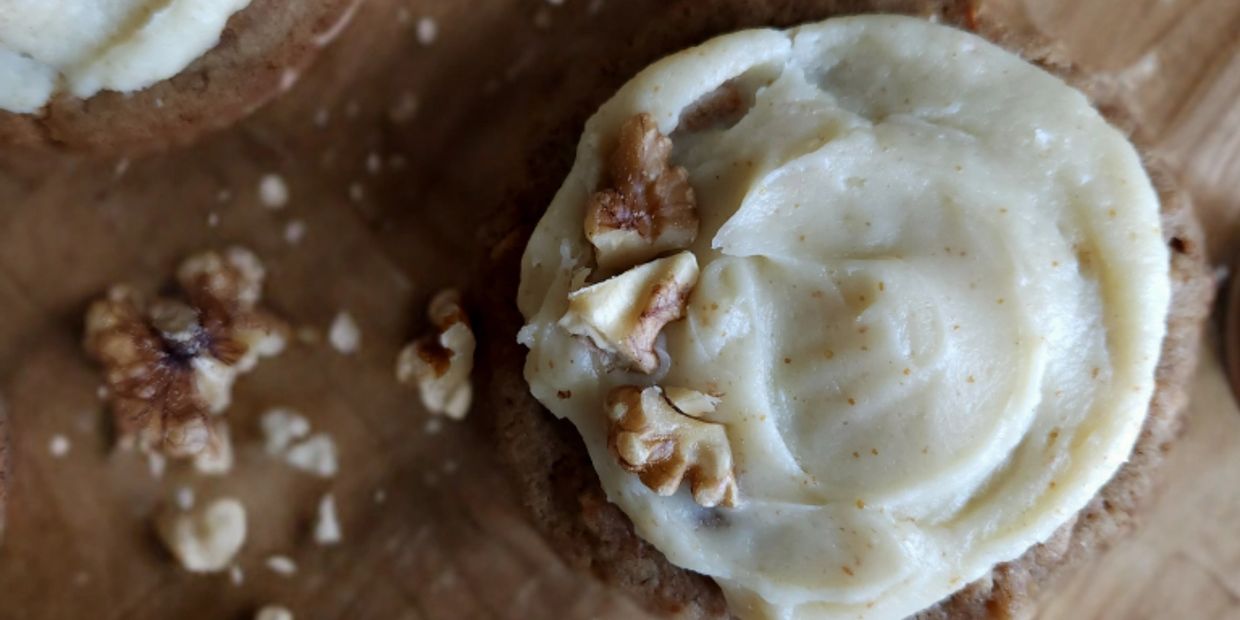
(389, 148)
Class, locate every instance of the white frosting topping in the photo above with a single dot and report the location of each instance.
(933, 292)
(81, 47)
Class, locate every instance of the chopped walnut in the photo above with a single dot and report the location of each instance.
(648, 207)
(624, 315)
(664, 445)
(440, 364)
(169, 363)
(206, 539)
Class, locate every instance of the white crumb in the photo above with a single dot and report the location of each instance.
(344, 334)
(281, 427)
(321, 117)
(294, 232)
(428, 30)
(236, 575)
(59, 445)
(224, 195)
(357, 192)
(374, 163)
(101, 392)
(273, 191)
(213, 219)
(287, 79)
(156, 463)
(380, 496)
(282, 565)
(273, 612)
(184, 498)
(121, 166)
(327, 528)
(206, 539)
(433, 426)
(316, 455)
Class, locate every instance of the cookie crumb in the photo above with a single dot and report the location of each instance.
(294, 232)
(236, 575)
(273, 612)
(184, 498)
(344, 334)
(316, 455)
(156, 463)
(281, 427)
(282, 565)
(428, 30)
(327, 528)
(374, 163)
(357, 192)
(273, 191)
(380, 496)
(205, 541)
(213, 219)
(59, 446)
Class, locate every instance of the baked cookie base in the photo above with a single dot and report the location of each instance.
(549, 461)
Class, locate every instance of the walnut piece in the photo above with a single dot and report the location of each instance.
(648, 207)
(440, 364)
(206, 539)
(169, 363)
(663, 445)
(623, 315)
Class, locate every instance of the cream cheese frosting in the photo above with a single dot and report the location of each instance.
(933, 292)
(80, 47)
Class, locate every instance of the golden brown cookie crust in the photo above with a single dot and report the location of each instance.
(549, 461)
(261, 50)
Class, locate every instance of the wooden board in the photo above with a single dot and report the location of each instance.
(431, 528)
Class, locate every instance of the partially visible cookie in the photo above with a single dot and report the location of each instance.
(260, 53)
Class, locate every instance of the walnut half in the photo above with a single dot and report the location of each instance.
(648, 207)
(169, 363)
(624, 314)
(440, 364)
(663, 445)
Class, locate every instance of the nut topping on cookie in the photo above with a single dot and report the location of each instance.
(624, 314)
(648, 207)
(169, 363)
(440, 363)
(664, 445)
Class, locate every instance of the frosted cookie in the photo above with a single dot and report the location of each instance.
(131, 74)
(930, 348)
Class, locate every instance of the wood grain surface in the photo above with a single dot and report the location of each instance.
(394, 151)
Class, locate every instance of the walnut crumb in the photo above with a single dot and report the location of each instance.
(664, 445)
(648, 206)
(170, 362)
(440, 364)
(204, 540)
(623, 315)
